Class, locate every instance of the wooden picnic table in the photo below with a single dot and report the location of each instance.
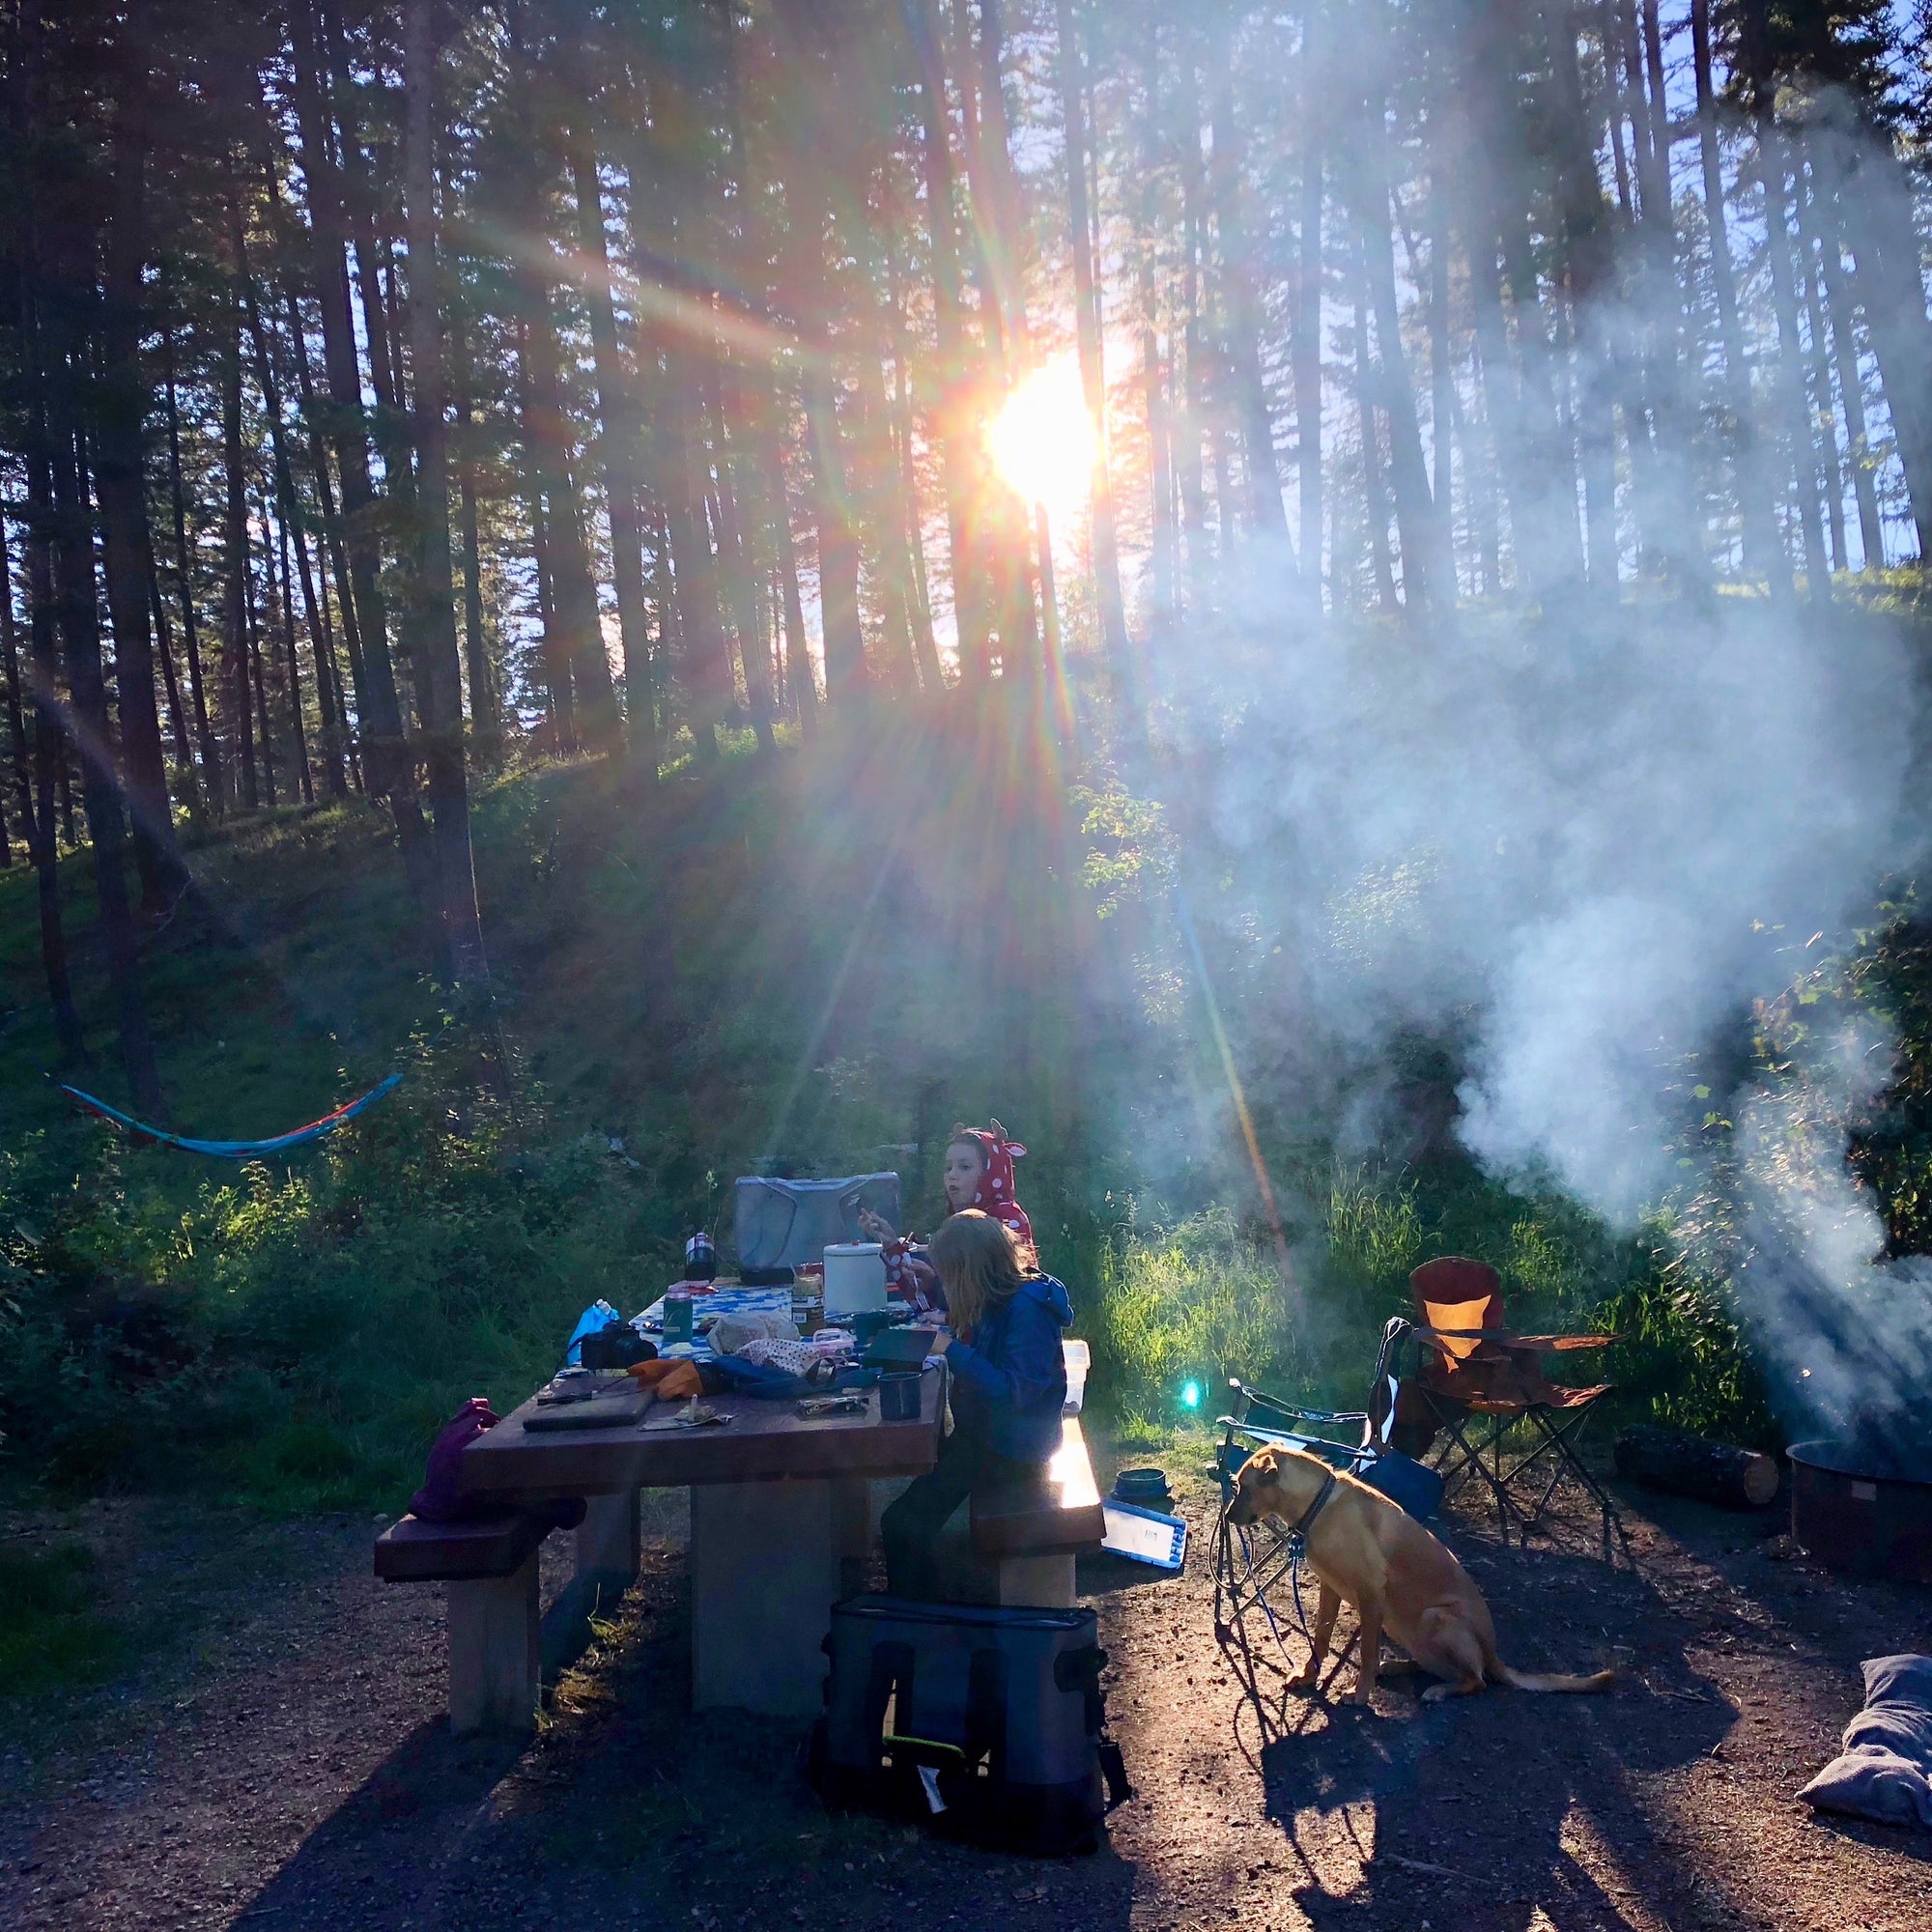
(779, 1507)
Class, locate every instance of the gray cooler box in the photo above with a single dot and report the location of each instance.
(784, 1223)
(986, 1722)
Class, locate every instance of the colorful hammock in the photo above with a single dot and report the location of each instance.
(235, 1150)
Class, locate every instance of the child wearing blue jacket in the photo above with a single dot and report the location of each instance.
(1008, 1388)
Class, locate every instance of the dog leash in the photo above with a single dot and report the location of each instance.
(1297, 1545)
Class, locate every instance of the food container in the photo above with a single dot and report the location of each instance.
(855, 1278)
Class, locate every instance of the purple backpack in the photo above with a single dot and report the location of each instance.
(438, 1500)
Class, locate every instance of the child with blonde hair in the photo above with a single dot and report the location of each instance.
(1008, 1388)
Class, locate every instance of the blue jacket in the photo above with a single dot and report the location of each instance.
(1009, 1382)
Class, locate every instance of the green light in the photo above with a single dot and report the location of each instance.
(1190, 1394)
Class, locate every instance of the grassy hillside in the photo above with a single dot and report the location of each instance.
(820, 965)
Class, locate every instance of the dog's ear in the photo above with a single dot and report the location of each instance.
(1265, 1462)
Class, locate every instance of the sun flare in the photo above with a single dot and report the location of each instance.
(1044, 440)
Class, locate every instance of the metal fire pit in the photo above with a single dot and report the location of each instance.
(1855, 1516)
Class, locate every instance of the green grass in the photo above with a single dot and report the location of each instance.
(52, 1637)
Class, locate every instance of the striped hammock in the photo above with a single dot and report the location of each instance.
(235, 1150)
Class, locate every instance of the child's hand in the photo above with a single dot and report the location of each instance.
(875, 1227)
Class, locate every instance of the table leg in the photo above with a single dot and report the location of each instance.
(852, 1518)
(764, 1574)
(494, 1679)
(607, 1550)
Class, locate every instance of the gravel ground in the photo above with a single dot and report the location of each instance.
(279, 1759)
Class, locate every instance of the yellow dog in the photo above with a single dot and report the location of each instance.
(1396, 1576)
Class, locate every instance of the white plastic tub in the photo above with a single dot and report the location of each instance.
(1074, 1353)
(855, 1279)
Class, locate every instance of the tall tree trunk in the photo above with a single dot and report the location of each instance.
(120, 406)
(903, 505)
(1585, 243)
(1093, 369)
(1163, 536)
(485, 714)
(297, 730)
(845, 675)
(1763, 552)
(1823, 413)
(1875, 200)
(617, 415)
(1307, 343)
(439, 672)
(800, 683)
(287, 518)
(333, 547)
(58, 366)
(1674, 531)
(735, 550)
(1537, 459)
(1851, 379)
(214, 779)
(1189, 409)
(703, 661)
(1790, 373)
(1242, 320)
(177, 717)
(36, 807)
(1375, 493)
(238, 584)
(998, 229)
(1429, 572)
(387, 760)
(1441, 365)
(258, 619)
(952, 377)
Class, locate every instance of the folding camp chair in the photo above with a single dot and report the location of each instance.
(1256, 1565)
(1475, 1381)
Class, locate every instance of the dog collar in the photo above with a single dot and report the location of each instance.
(1298, 1535)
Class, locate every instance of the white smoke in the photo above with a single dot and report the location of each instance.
(1586, 847)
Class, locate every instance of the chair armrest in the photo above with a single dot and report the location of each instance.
(1557, 1344)
(1507, 1338)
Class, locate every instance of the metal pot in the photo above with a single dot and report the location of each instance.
(1856, 1518)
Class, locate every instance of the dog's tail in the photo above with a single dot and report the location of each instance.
(1536, 1680)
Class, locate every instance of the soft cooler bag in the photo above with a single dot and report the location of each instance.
(986, 1722)
(789, 1223)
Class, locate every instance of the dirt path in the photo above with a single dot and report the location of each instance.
(281, 1761)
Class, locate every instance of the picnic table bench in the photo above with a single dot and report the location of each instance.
(1032, 1533)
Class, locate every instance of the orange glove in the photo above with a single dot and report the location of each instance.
(669, 1381)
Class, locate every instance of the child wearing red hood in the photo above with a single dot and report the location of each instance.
(979, 1174)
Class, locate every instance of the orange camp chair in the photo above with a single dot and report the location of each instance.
(1475, 1381)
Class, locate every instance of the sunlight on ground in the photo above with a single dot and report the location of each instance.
(1043, 441)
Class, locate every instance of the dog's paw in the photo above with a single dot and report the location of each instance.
(1303, 1680)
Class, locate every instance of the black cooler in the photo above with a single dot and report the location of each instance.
(987, 1722)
